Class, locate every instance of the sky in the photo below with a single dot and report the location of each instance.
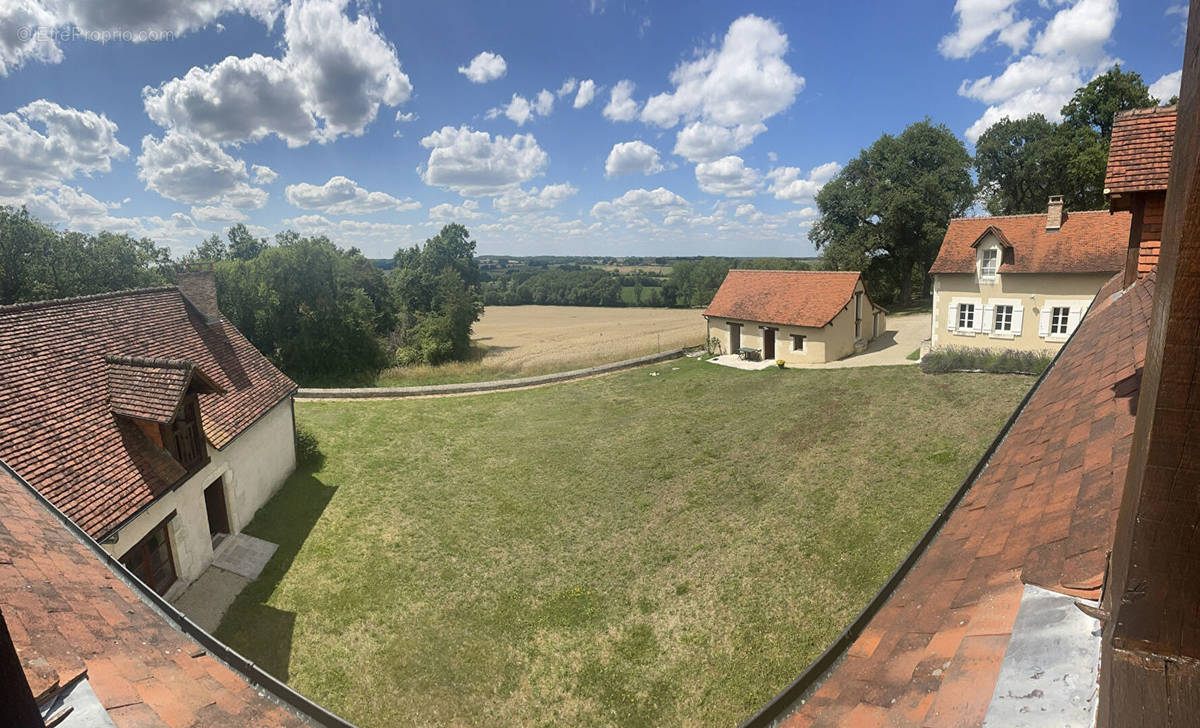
(566, 127)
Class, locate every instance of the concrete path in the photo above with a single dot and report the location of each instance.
(903, 336)
(238, 561)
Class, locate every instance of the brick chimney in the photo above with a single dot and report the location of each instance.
(1054, 213)
(198, 284)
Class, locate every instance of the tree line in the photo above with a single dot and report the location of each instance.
(886, 211)
(320, 312)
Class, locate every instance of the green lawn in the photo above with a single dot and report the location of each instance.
(622, 551)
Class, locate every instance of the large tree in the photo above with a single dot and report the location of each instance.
(1022, 162)
(436, 288)
(885, 213)
(1095, 104)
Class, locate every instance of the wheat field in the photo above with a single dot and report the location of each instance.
(518, 341)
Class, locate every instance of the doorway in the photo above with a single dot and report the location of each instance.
(768, 335)
(218, 514)
(735, 338)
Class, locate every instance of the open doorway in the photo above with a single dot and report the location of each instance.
(218, 514)
(768, 339)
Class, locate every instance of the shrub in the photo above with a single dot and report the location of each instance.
(992, 361)
(308, 448)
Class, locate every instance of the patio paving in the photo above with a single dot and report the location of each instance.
(239, 560)
(902, 337)
(245, 555)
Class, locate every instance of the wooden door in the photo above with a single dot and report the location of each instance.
(735, 338)
(768, 343)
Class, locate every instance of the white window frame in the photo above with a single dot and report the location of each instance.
(989, 320)
(1075, 310)
(984, 275)
(954, 313)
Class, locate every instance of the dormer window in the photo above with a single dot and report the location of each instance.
(989, 262)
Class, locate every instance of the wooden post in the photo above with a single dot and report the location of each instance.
(17, 707)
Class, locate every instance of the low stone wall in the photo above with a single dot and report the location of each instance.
(468, 387)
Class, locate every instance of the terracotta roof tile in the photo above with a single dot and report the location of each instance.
(1043, 511)
(795, 298)
(69, 613)
(147, 391)
(56, 426)
(1139, 154)
(1087, 242)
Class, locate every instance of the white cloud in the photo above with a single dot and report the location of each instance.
(43, 144)
(520, 109)
(334, 75)
(634, 157)
(704, 142)
(1069, 50)
(405, 117)
(343, 196)
(728, 176)
(640, 205)
(263, 175)
(468, 210)
(1166, 86)
(979, 20)
(486, 66)
(744, 82)
(789, 183)
(518, 200)
(621, 106)
(218, 213)
(190, 169)
(567, 88)
(543, 104)
(381, 238)
(587, 92)
(474, 164)
(108, 20)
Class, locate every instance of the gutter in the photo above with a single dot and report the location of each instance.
(265, 684)
(780, 705)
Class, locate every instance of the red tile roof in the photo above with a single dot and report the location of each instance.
(149, 389)
(56, 426)
(1087, 242)
(68, 614)
(788, 297)
(1139, 154)
(1043, 511)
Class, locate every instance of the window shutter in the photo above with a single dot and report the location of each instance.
(977, 324)
(986, 322)
(1044, 322)
(953, 321)
(1073, 319)
(1018, 317)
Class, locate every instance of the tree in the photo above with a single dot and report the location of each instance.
(1020, 163)
(885, 213)
(1095, 104)
(243, 245)
(436, 289)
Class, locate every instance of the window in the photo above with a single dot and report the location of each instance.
(184, 438)
(1004, 319)
(1059, 316)
(797, 342)
(988, 263)
(151, 561)
(966, 316)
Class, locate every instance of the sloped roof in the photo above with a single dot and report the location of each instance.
(56, 426)
(1087, 242)
(1139, 154)
(789, 297)
(1043, 511)
(150, 389)
(68, 613)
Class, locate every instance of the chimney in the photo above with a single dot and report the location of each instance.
(198, 284)
(1054, 213)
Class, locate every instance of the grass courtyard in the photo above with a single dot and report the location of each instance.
(630, 550)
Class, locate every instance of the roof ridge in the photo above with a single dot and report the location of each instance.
(27, 305)
(769, 270)
(1148, 111)
(1025, 214)
(150, 361)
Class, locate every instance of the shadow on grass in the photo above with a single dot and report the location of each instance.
(252, 626)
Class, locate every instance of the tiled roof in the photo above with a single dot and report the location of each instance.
(68, 613)
(1139, 154)
(148, 389)
(795, 298)
(56, 427)
(1043, 511)
(1087, 242)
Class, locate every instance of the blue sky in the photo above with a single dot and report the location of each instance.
(709, 129)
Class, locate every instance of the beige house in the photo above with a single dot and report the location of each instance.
(147, 419)
(1023, 281)
(801, 317)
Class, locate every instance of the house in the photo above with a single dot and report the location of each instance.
(1023, 281)
(796, 316)
(146, 418)
(1139, 163)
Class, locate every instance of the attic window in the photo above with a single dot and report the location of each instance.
(989, 261)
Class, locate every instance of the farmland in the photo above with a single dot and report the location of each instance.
(518, 341)
(629, 550)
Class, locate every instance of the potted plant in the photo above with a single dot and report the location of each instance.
(779, 363)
